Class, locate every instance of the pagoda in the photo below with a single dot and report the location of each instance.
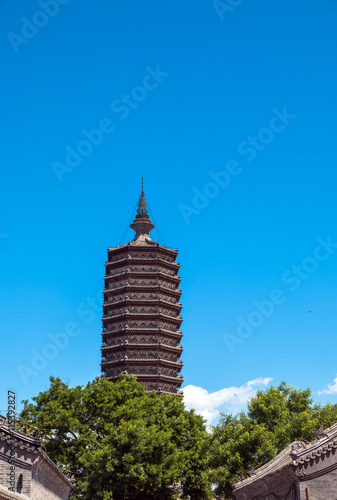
(141, 310)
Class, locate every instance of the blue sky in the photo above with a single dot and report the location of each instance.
(230, 115)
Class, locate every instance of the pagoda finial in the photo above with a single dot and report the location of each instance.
(142, 224)
(142, 207)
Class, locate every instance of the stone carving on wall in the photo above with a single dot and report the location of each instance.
(115, 356)
(143, 324)
(170, 342)
(143, 310)
(168, 312)
(142, 339)
(116, 326)
(143, 282)
(167, 326)
(117, 258)
(119, 270)
(147, 269)
(115, 341)
(143, 296)
(115, 371)
(300, 473)
(168, 371)
(141, 355)
(166, 387)
(168, 357)
(167, 257)
(143, 255)
(116, 298)
(165, 284)
(144, 370)
(173, 300)
(169, 272)
(117, 284)
(116, 312)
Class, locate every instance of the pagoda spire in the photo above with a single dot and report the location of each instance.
(142, 224)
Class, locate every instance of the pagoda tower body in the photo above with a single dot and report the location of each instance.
(141, 310)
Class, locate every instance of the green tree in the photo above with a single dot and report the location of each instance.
(120, 442)
(275, 417)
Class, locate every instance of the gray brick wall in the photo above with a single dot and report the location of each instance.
(5, 494)
(47, 484)
(321, 488)
(22, 466)
(36, 477)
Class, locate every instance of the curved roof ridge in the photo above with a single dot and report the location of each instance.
(294, 454)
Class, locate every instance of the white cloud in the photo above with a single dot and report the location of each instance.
(332, 389)
(228, 400)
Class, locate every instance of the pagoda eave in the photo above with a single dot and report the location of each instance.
(176, 365)
(142, 275)
(144, 261)
(126, 302)
(130, 248)
(176, 381)
(131, 316)
(144, 288)
(129, 347)
(139, 331)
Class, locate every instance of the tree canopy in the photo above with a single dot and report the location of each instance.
(275, 417)
(120, 442)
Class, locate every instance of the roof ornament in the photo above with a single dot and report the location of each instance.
(142, 224)
(251, 472)
(320, 433)
(142, 207)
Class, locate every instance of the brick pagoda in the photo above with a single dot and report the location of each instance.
(141, 310)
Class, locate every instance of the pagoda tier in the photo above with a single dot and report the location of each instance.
(141, 311)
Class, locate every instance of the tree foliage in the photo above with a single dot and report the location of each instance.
(119, 442)
(275, 417)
